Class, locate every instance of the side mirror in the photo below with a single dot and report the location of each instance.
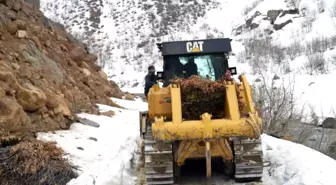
(160, 75)
(233, 70)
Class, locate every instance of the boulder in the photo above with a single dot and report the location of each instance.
(37, 42)
(64, 48)
(78, 55)
(12, 115)
(88, 122)
(86, 72)
(15, 66)
(31, 98)
(254, 25)
(21, 25)
(21, 34)
(129, 97)
(92, 58)
(9, 79)
(103, 74)
(280, 26)
(291, 11)
(62, 109)
(108, 113)
(25, 72)
(53, 100)
(11, 28)
(329, 123)
(47, 43)
(273, 14)
(249, 21)
(12, 15)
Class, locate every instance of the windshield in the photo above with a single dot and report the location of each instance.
(205, 66)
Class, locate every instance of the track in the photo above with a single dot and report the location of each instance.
(159, 164)
(158, 161)
(248, 157)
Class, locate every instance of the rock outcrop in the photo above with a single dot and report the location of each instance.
(318, 137)
(271, 16)
(45, 74)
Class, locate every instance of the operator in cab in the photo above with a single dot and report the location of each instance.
(150, 79)
(190, 68)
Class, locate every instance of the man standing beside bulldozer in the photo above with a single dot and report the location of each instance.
(150, 79)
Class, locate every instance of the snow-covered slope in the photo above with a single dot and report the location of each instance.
(124, 33)
(294, 164)
(282, 37)
(296, 41)
(106, 155)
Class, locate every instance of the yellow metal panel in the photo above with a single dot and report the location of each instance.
(168, 131)
(196, 149)
(247, 93)
(176, 103)
(231, 103)
(159, 102)
(184, 150)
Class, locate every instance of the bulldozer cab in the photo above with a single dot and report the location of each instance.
(205, 58)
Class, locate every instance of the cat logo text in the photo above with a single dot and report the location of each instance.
(196, 46)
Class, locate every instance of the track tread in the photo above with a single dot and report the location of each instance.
(248, 160)
(162, 158)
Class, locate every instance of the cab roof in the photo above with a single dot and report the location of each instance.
(192, 47)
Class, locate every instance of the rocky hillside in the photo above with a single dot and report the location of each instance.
(46, 75)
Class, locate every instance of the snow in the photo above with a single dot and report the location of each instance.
(270, 5)
(295, 164)
(106, 151)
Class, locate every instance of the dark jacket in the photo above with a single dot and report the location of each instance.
(191, 69)
(150, 80)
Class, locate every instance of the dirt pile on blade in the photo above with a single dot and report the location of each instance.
(203, 95)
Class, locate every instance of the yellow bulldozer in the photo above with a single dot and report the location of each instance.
(170, 139)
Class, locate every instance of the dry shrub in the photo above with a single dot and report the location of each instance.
(7, 139)
(203, 95)
(316, 63)
(34, 163)
(333, 10)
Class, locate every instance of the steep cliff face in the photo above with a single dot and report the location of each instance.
(45, 74)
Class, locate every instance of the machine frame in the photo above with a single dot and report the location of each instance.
(235, 138)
